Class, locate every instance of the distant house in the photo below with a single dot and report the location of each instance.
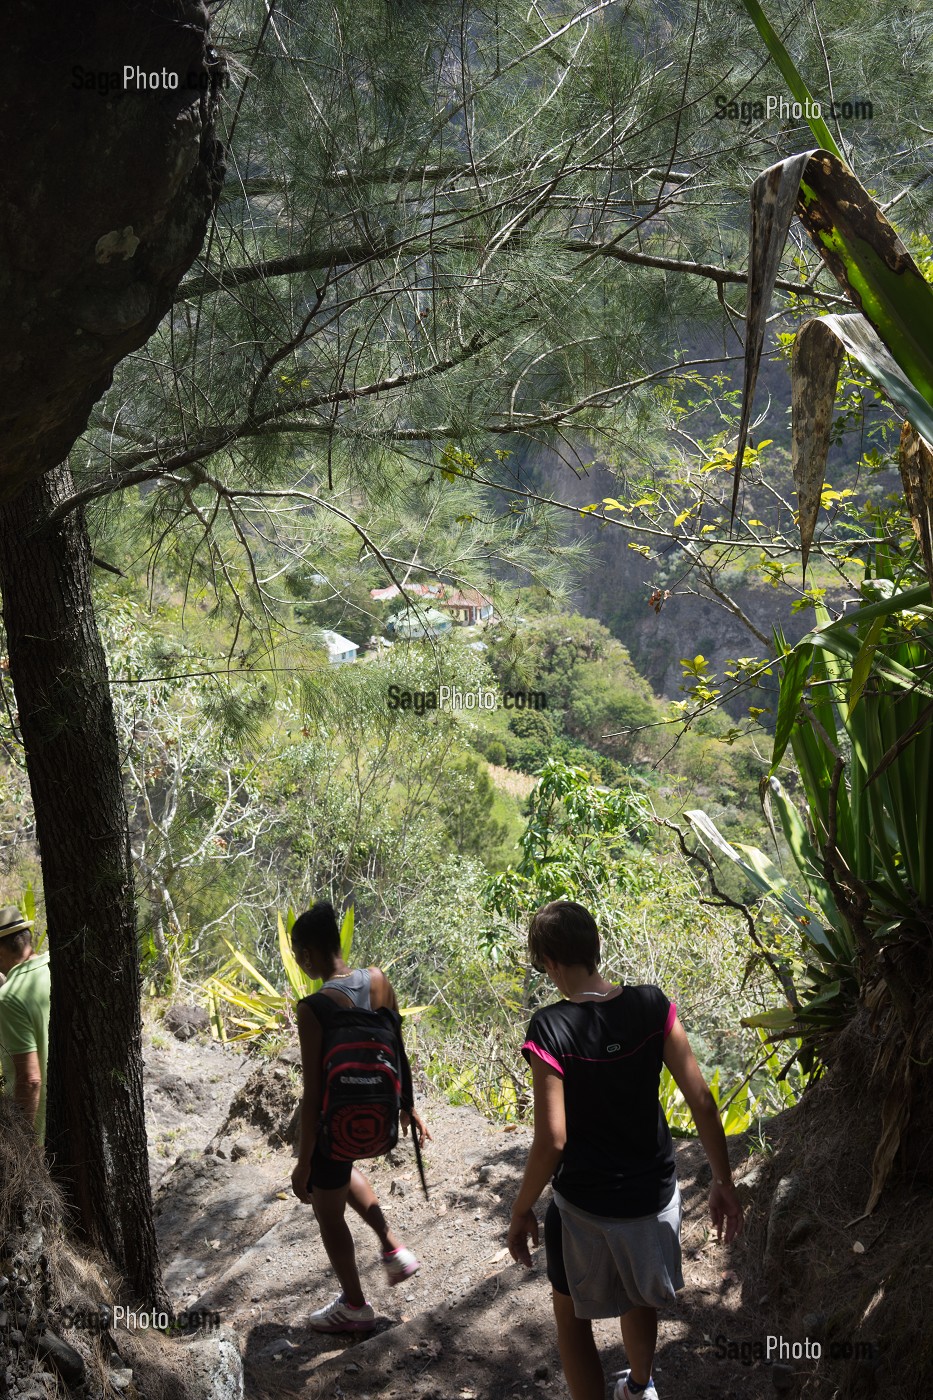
(340, 650)
(412, 626)
(466, 606)
(415, 590)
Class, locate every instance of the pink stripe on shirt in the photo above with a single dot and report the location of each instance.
(543, 1055)
(671, 1018)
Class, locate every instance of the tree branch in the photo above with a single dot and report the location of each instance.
(314, 259)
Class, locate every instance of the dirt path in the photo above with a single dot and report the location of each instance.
(469, 1324)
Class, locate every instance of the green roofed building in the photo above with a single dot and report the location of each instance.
(414, 625)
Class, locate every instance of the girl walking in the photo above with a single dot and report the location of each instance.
(330, 1185)
(612, 1231)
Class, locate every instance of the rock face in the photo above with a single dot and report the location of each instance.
(217, 1371)
(68, 1363)
(617, 585)
(268, 1102)
(203, 1367)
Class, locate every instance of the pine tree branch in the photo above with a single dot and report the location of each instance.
(348, 254)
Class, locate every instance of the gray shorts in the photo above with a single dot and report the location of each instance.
(608, 1265)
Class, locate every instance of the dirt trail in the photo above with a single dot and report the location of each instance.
(469, 1324)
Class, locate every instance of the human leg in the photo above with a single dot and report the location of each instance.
(579, 1358)
(398, 1262)
(329, 1208)
(640, 1335)
(364, 1201)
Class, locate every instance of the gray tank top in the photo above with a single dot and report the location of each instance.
(354, 985)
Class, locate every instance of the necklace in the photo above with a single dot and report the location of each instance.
(597, 994)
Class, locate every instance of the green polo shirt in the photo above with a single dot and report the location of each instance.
(24, 1023)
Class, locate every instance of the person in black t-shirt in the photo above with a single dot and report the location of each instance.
(612, 1232)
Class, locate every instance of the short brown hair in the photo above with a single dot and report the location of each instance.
(566, 933)
(18, 943)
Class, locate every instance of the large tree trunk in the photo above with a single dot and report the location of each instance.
(96, 1129)
(107, 190)
(109, 186)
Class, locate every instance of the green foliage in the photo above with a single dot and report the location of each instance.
(597, 703)
(466, 807)
(855, 708)
(261, 1011)
(572, 848)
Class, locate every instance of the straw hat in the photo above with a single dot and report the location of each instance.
(12, 921)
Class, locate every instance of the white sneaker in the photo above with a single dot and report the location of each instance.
(399, 1265)
(622, 1391)
(338, 1316)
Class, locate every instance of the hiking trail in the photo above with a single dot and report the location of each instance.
(470, 1325)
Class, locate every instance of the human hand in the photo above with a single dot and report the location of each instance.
(300, 1181)
(521, 1227)
(724, 1205)
(407, 1119)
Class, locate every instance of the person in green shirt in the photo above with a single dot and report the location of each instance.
(24, 1017)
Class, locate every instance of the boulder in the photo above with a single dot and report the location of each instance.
(186, 1021)
(67, 1362)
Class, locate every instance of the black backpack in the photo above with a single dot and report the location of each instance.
(365, 1080)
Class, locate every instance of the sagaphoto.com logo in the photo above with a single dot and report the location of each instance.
(133, 77)
(775, 107)
(451, 697)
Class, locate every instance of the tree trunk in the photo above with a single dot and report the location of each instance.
(96, 1128)
(108, 187)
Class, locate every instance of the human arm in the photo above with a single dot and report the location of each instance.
(309, 1037)
(724, 1204)
(27, 1083)
(409, 1118)
(382, 993)
(546, 1150)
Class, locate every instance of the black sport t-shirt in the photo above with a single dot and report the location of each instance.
(619, 1157)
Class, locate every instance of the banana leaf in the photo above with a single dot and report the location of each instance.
(301, 984)
(792, 77)
(346, 933)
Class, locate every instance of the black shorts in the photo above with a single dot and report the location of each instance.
(326, 1174)
(554, 1250)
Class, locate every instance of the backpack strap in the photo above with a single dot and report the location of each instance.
(323, 1006)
